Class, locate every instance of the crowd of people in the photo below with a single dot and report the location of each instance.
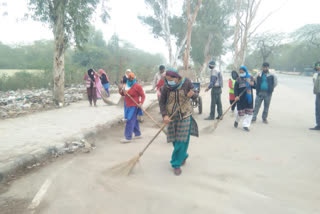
(174, 93)
(241, 85)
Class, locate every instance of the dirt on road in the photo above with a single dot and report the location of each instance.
(273, 169)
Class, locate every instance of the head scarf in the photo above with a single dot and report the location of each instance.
(174, 73)
(234, 75)
(101, 71)
(249, 95)
(131, 80)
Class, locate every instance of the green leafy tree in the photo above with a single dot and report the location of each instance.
(69, 21)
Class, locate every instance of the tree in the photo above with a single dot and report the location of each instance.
(211, 31)
(191, 19)
(159, 22)
(69, 21)
(266, 43)
(309, 33)
(164, 25)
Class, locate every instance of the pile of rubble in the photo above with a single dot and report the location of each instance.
(16, 103)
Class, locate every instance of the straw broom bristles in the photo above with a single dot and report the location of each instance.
(127, 167)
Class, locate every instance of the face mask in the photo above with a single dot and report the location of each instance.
(243, 74)
(172, 83)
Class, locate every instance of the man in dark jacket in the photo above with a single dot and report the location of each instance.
(216, 84)
(265, 84)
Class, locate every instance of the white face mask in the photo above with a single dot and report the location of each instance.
(243, 74)
(172, 83)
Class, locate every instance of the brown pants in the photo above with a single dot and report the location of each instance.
(92, 95)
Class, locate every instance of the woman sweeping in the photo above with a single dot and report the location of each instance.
(243, 87)
(131, 109)
(232, 81)
(176, 91)
(104, 80)
(89, 77)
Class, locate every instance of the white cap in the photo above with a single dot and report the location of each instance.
(128, 70)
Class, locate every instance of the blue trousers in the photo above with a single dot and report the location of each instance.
(106, 87)
(132, 125)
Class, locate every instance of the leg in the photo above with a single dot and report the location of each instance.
(240, 115)
(94, 96)
(234, 106)
(107, 89)
(130, 125)
(89, 92)
(136, 129)
(179, 154)
(219, 105)
(257, 106)
(247, 118)
(318, 109)
(213, 104)
(267, 101)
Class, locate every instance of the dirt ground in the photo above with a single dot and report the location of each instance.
(273, 169)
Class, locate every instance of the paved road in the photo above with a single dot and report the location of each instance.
(273, 169)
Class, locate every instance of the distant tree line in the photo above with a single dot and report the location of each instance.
(113, 56)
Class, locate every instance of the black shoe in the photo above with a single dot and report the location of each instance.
(209, 118)
(246, 129)
(315, 128)
(253, 120)
(265, 121)
(219, 118)
(235, 124)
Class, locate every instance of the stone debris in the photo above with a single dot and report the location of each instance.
(20, 102)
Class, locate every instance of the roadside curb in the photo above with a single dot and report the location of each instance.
(27, 162)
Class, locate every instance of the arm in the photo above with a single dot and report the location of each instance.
(275, 81)
(236, 89)
(163, 101)
(155, 81)
(213, 80)
(190, 87)
(142, 94)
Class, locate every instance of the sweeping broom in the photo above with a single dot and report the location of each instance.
(126, 168)
(144, 111)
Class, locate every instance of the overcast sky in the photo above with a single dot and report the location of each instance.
(292, 15)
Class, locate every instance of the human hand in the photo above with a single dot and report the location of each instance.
(237, 99)
(207, 89)
(190, 93)
(166, 119)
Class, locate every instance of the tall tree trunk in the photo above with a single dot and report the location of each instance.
(191, 21)
(206, 55)
(59, 51)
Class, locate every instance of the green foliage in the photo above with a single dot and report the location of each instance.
(213, 18)
(95, 54)
(287, 57)
(76, 16)
(309, 33)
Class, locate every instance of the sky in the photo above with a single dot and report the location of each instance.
(289, 15)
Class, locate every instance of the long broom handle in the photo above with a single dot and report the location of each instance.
(162, 127)
(144, 111)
